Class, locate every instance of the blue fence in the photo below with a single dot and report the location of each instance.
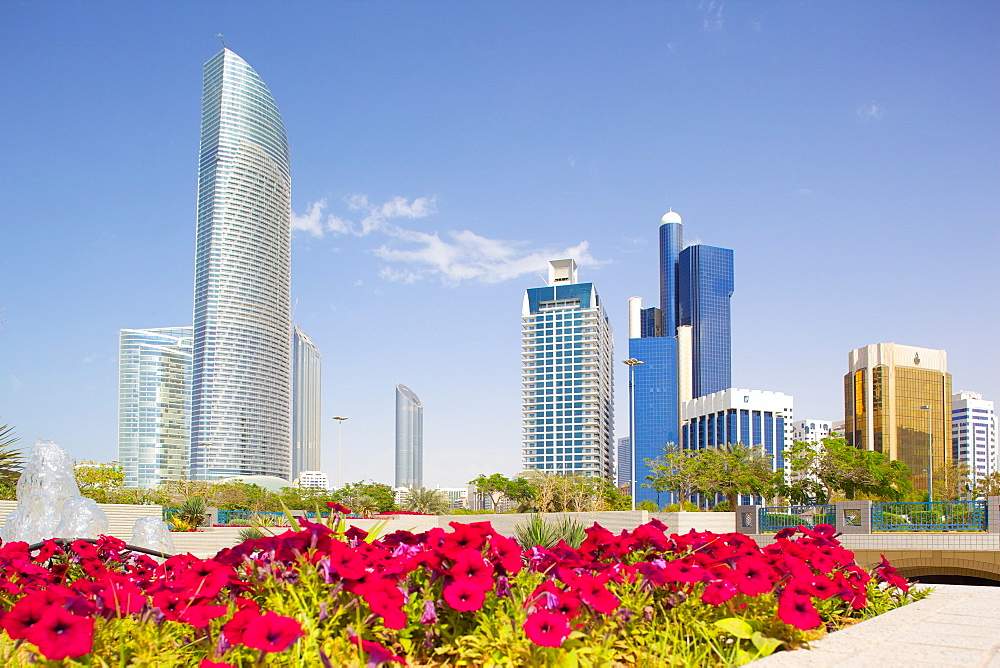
(776, 518)
(934, 516)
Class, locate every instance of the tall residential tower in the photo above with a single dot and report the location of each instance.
(154, 403)
(306, 405)
(409, 438)
(241, 386)
(567, 368)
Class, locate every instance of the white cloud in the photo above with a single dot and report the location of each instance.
(374, 216)
(15, 382)
(311, 222)
(90, 358)
(805, 191)
(713, 15)
(870, 112)
(452, 257)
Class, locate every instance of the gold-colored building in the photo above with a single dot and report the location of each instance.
(897, 400)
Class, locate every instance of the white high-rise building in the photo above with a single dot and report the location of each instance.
(306, 404)
(750, 417)
(811, 431)
(154, 403)
(241, 393)
(624, 468)
(566, 377)
(974, 434)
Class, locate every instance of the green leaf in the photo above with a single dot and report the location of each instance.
(569, 660)
(735, 626)
(765, 646)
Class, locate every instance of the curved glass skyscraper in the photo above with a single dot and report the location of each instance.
(409, 438)
(241, 384)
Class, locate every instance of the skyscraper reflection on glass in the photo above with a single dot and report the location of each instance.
(409, 438)
(241, 412)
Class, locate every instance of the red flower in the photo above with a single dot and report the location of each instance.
(752, 576)
(681, 571)
(718, 592)
(26, 613)
(595, 594)
(337, 508)
(234, 628)
(508, 552)
(885, 572)
(271, 632)
(377, 654)
(465, 595)
(199, 616)
(546, 628)
(464, 537)
(60, 634)
(470, 565)
(123, 597)
(798, 611)
(385, 599)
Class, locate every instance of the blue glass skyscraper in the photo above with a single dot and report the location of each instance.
(705, 284)
(680, 350)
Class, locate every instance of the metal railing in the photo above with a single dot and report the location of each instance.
(251, 518)
(930, 516)
(775, 518)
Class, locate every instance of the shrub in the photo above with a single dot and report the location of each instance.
(686, 507)
(648, 506)
(925, 517)
(536, 531)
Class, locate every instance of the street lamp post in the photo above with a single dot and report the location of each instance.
(340, 450)
(930, 458)
(632, 364)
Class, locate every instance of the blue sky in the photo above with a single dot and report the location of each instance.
(443, 151)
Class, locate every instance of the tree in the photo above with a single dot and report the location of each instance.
(494, 486)
(988, 486)
(819, 470)
(423, 500)
(103, 483)
(11, 461)
(366, 497)
(734, 469)
(951, 482)
(677, 471)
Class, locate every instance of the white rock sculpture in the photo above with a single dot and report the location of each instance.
(45, 484)
(152, 533)
(81, 518)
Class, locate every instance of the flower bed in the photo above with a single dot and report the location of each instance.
(327, 596)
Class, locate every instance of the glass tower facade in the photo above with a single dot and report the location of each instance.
(705, 286)
(684, 345)
(154, 404)
(885, 392)
(409, 438)
(306, 404)
(241, 385)
(566, 378)
(654, 406)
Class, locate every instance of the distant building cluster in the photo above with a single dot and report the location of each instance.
(237, 394)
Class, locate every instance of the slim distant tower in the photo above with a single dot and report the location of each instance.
(154, 403)
(974, 434)
(567, 373)
(306, 405)
(409, 438)
(241, 423)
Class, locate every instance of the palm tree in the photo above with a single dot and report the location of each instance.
(733, 469)
(11, 460)
(423, 500)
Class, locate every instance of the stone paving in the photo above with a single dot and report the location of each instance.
(955, 626)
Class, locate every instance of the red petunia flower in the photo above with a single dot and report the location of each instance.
(470, 565)
(337, 508)
(546, 628)
(681, 571)
(508, 552)
(718, 592)
(798, 611)
(60, 634)
(465, 595)
(122, 597)
(199, 616)
(26, 613)
(271, 632)
(377, 654)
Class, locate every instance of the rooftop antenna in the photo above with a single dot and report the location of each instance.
(219, 35)
(294, 307)
(544, 280)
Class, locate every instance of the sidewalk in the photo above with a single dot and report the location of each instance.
(954, 626)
